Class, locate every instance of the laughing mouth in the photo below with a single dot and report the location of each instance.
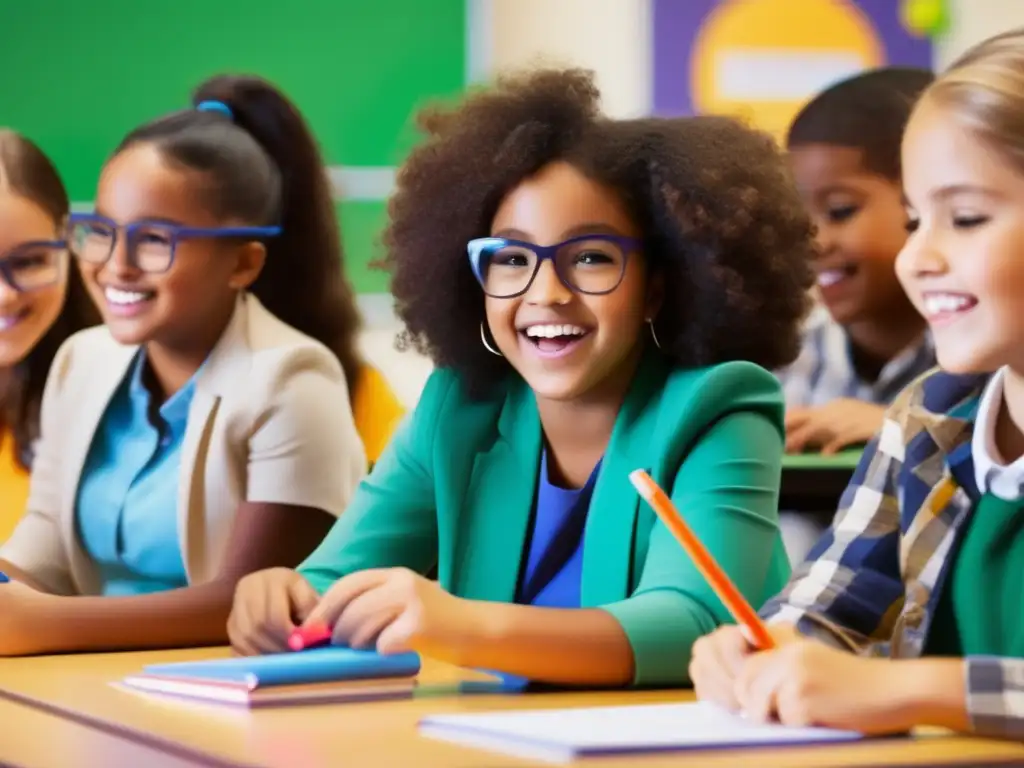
(554, 338)
(11, 319)
(120, 297)
(945, 305)
(835, 275)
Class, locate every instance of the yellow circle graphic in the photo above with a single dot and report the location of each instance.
(762, 59)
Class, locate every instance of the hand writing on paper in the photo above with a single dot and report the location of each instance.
(395, 610)
(809, 683)
(718, 658)
(22, 611)
(833, 426)
(267, 607)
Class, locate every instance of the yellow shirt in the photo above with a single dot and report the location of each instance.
(376, 411)
(13, 487)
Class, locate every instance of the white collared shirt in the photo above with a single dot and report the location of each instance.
(991, 472)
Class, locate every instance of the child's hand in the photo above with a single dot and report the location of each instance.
(808, 683)
(266, 608)
(833, 426)
(718, 658)
(395, 610)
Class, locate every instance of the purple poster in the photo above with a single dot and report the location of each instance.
(762, 59)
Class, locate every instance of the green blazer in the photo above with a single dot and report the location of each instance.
(455, 489)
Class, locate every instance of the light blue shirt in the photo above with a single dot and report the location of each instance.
(127, 505)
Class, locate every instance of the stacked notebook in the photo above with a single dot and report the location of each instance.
(563, 735)
(316, 676)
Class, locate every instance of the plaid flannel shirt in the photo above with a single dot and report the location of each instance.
(824, 370)
(871, 585)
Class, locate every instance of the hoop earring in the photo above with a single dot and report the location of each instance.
(487, 344)
(654, 336)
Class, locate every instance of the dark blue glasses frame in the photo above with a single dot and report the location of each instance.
(544, 253)
(8, 264)
(175, 233)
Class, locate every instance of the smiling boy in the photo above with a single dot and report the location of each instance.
(866, 341)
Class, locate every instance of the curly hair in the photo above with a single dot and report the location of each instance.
(720, 219)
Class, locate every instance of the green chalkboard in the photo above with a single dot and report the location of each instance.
(77, 76)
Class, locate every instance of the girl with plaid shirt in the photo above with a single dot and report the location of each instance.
(908, 611)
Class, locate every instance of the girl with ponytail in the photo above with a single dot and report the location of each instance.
(205, 430)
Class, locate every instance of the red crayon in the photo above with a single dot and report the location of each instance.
(309, 637)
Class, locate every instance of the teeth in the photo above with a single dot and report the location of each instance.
(554, 331)
(117, 296)
(938, 303)
(9, 321)
(830, 277)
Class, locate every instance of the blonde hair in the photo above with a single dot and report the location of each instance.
(983, 90)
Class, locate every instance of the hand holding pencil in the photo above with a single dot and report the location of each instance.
(719, 581)
(716, 658)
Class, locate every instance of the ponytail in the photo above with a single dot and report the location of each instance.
(265, 169)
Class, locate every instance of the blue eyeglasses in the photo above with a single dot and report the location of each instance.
(34, 265)
(591, 264)
(150, 245)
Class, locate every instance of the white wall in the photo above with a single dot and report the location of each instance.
(610, 37)
(974, 20)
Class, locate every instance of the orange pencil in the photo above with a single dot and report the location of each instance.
(730, 596)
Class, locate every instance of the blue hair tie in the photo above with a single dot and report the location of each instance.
(216, 106)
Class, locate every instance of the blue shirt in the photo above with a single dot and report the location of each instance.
(127, 505)
(553, 507)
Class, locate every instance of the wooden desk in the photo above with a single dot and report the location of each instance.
(379, 733)
(33, 738)
(813, 483)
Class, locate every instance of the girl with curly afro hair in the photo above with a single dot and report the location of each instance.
(599, 296)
